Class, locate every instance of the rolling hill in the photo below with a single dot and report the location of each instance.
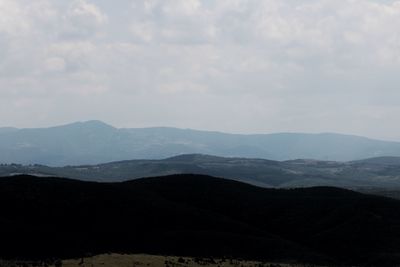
(95, 142)
(192, 215)
(376, 172)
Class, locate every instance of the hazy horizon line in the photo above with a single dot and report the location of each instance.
(196, 129)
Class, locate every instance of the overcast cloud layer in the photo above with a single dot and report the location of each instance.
(229, 65)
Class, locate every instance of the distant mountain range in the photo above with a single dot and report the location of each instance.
(383, 172)
(192, 215)
(95, 142)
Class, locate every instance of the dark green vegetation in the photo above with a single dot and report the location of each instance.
(366, 174)
(196, 216)
(94, 142)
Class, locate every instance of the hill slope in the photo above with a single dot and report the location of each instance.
(379, 172)
(197, 216)
(94, 142)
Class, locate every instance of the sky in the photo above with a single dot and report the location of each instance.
(240, 66)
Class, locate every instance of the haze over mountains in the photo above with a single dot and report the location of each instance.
(94, 142)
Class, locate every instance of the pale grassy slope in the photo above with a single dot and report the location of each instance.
(113, 260)
(143, 260)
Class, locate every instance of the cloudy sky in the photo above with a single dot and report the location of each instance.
(243, 66)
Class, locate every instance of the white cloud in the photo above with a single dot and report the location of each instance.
(13, 18)
(144, 31)
(83, 19)
(245, 65)
(55, 64)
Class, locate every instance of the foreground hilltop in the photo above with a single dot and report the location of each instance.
(144, 260)
(195, 215)
(95, 142)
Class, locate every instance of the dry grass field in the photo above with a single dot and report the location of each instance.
(142, 260)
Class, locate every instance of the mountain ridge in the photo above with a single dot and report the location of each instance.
(94, 142)
(108, 125)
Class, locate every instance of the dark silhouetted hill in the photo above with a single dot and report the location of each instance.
(197, 216)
